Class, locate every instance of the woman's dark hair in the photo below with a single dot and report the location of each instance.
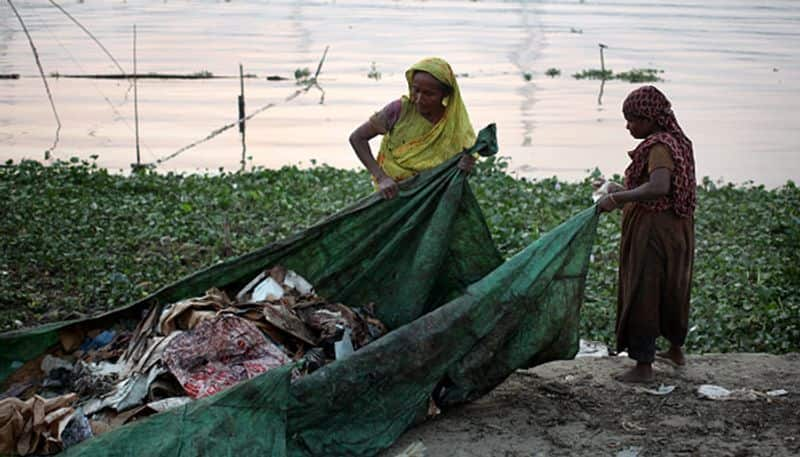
(446, 89)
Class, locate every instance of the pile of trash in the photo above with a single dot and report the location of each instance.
(99, 379)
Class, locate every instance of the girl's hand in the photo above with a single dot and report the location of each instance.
(467, 163)
(606, 204)
(608, 186)
(614, 187)
(387, 187)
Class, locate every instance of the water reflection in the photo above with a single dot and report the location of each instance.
(600, 93)
(6, 35)
(524, 58)
(709, 53)
(301, 32)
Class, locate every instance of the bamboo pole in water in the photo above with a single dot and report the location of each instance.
(602, 74)
(311, 83)
(241, 113)
(602, 60)
(136, 101)
(44, 79)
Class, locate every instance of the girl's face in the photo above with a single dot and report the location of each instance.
(427, 93)
(640, 127)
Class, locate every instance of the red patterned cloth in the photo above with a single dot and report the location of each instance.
(219, 353)
(650, 103)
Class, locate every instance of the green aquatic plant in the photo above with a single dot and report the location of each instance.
(76, 240)
(640, 75)
(553, 72)
(527, 75)
(594, 74)
(302, 75)
(373, 72)
(636, 75)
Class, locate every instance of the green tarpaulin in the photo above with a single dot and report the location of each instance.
(462, 320)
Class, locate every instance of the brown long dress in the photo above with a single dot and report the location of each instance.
(655, 269)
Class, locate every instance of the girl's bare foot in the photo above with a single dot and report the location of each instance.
(642, 372)
(674, 354)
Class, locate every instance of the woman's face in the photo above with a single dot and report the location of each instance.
(640, 127)
(427, 93)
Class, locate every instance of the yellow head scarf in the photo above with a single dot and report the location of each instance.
(414, 144)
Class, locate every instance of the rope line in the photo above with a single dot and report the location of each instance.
(90, 35)
(312, 82)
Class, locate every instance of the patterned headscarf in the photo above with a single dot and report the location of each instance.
(650, 103)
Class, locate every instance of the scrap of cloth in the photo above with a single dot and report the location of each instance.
(648, 102)
(414, 144)
(186, 314)
(34, 426)
(219, 353)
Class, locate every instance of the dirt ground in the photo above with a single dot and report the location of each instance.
(576, 408)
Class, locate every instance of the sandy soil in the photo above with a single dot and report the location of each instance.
(576, 408)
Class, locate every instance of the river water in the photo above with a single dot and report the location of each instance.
(731, 69)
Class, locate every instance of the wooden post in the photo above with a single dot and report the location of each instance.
(241, 114)
(602, 60)
(136, 101)
(603, 77)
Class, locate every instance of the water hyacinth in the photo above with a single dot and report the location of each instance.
(77, 240)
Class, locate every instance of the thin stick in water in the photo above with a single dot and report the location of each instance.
(602, 74)
(311, 83)
(136, 100)
(44, 80)
(321, 61)
(602, 60)
(241, 114)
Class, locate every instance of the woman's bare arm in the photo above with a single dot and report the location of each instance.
(359, 140)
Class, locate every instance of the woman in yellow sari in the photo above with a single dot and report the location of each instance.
(420, 130)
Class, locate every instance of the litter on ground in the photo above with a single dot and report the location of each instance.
(99, 379)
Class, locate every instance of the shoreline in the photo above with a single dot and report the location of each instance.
(527, 175)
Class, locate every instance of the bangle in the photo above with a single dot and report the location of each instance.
(611, 197)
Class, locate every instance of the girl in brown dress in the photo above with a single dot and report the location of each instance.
(657, 245)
